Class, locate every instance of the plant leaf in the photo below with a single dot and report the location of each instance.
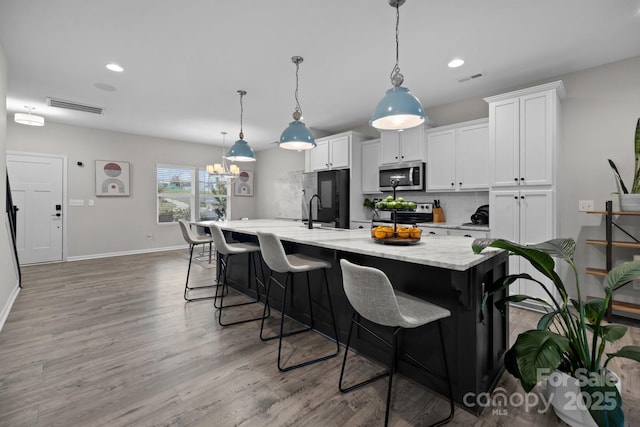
(539, 255)
(534, 352)
(605, 401)
(502, 304)
(629, 352)
(622, 274)
(613, 333)
(617, 175)
(546, 320)
(592, 309)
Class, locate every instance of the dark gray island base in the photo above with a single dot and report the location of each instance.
(476, 342)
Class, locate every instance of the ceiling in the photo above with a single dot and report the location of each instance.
(185, 60)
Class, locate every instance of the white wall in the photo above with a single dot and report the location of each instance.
(8, 276)
(117, 224)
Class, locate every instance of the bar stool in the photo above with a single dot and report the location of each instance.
(370, 293)
(278, 261)
(193, 240)
(225, 251)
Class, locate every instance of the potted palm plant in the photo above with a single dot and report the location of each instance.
(630, 197)
(571, 337)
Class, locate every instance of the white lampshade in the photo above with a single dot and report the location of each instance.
(28, 119)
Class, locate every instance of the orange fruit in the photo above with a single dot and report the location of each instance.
(404, 234)
(380, 234)
(415, 233)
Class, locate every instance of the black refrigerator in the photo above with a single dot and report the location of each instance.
(333, 189)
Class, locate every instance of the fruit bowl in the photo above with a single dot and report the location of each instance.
(398, 204)
(401, 236)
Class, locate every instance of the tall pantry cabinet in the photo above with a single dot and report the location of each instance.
(524, 144)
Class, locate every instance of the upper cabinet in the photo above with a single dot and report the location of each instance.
(332, 152)
(524, 134)
(370, 161)
(458, 157)
(402, 146)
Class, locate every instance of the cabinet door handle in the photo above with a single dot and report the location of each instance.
(460, 184)
(452, 184)
(522, 197)
(515, 197)
(515, 179)
(521, 178)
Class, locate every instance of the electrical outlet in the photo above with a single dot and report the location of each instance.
(92, 202)
(585, 205)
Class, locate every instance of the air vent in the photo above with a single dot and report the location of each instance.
(70, 105)
(466, 79)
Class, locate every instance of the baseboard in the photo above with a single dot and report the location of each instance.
(4, 314)
(123, 253)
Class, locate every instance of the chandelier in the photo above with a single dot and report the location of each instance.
(222, 169)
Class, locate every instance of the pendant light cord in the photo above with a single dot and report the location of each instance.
(298, 108)
(396, 77)
(242, 93)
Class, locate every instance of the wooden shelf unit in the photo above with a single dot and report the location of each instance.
(609, 243)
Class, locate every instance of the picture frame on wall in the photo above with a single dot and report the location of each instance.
(244, 184)
(112, 178)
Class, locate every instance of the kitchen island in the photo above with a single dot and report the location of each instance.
(440, 269)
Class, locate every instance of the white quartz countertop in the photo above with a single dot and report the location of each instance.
(451, 252)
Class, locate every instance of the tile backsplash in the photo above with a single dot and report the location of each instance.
(457, 206)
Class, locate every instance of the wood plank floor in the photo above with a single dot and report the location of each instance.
(111, 342)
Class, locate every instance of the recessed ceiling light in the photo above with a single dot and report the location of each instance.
(115, 67)
(455, 63)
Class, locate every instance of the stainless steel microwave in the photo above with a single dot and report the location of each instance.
(407, 176)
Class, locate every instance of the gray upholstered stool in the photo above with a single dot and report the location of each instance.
(193, 240)
(278, 261)
(370, 293)
(225, 251)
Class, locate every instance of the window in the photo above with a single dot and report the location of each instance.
(180, 187)
(212, 196)
(176, 193)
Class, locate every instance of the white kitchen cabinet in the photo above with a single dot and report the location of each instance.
(330, 153)
(402, 146)
(357, 224)
(370, 161)
(524, 134)
(458, 157)
(477, 234)
(526, 217)
(426, 231)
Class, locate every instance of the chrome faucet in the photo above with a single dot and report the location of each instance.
(315, 196)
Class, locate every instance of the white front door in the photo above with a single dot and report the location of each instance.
(36, 188)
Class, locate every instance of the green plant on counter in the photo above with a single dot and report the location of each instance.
(635, 185)
(570, 336)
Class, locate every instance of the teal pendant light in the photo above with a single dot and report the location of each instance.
(241, 151)
(399, 109)
(296, 136)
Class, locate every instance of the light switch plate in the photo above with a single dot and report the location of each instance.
(585, 205)
(76, 202)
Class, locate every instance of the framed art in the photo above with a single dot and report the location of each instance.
(244, 184)
(112, 178)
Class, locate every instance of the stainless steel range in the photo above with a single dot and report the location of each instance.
(423, 213)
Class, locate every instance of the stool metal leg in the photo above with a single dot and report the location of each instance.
(224, 266)
(188, 288)
(355, 321)
(287, 284)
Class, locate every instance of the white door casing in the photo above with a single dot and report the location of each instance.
(37, 183)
